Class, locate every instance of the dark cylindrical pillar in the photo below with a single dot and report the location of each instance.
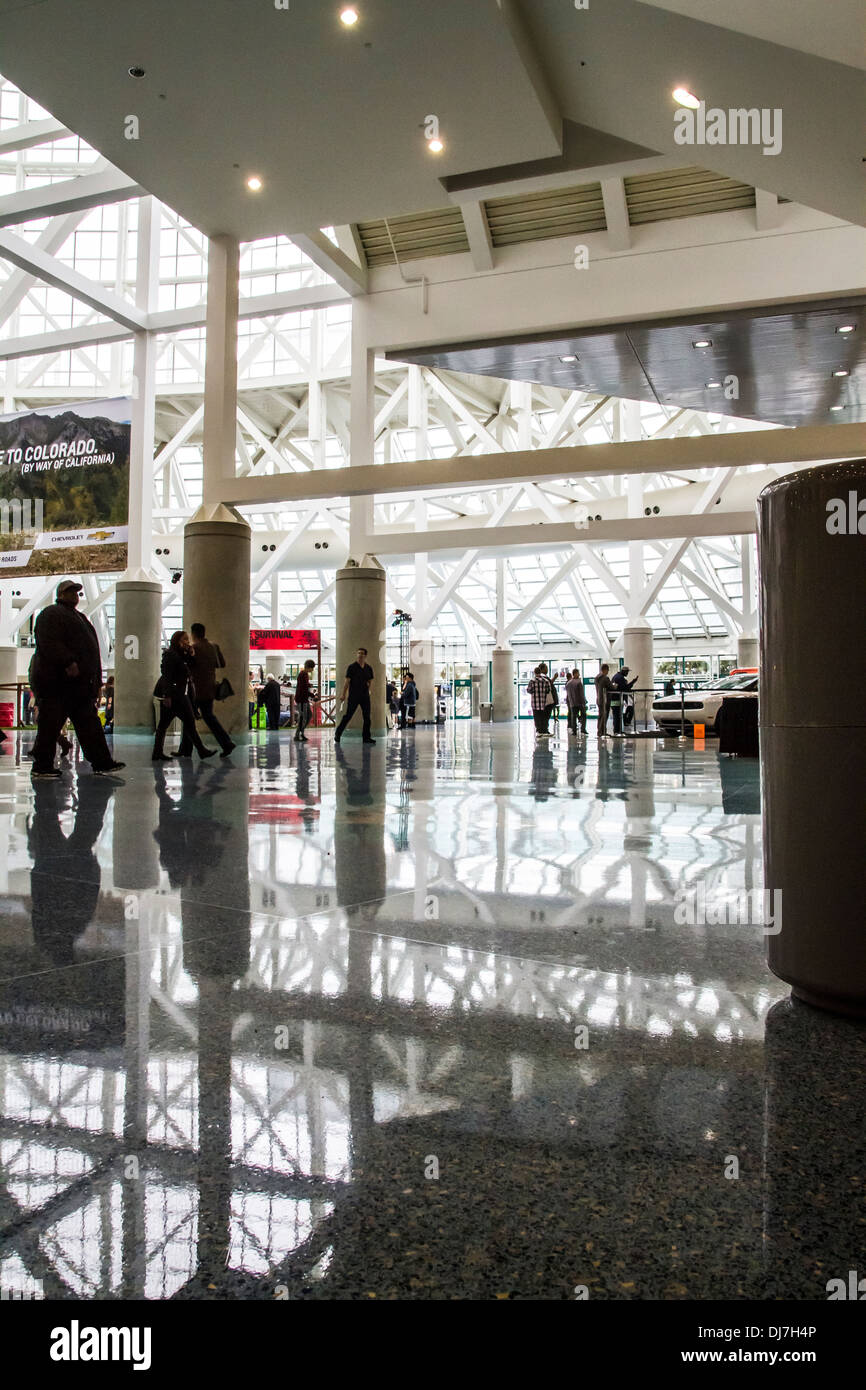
(812, 549)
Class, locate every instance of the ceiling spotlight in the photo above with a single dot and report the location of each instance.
(841, 371)
(837, 407)
(569, 357)
(846, 328)
(176, 577)
(254, 183)
(713, 385)
(136, 72)
(702, 343)
(435, 146)
(349, 16)
(683, 97)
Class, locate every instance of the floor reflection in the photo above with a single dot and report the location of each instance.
(413, 1021)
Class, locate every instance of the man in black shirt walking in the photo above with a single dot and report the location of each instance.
(66, 678)
(359, 677)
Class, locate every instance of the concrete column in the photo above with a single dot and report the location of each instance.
(503, 685)
(137, 648)
(812, 567)
(421, 651)
(216, 592)
(143, 392)
(362, 417)
(219, 429)
(747, 649)
(275, 663)
(638, 654)
(360, 596)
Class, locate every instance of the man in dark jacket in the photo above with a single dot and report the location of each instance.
(603, 688)
(66, 678)
(269, 696)
(620, 683)
(205, 659)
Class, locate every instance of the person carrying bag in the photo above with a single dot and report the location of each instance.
(204, 659)
(172, 690)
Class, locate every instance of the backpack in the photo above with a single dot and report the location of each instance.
(410, 694)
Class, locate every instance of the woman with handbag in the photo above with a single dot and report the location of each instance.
(204, 660)
(173, 691)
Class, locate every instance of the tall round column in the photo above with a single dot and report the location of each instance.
(747, 650)
(503, 685)
(813, 733)
(360, 597)
(637, 641)
(275, 663)
(137, 648)
(216, 592)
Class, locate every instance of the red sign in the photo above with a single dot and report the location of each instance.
(284, 639)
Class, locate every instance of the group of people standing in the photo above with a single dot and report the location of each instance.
(403, 701)
(610, 694)
(544, 699)
(66, 683)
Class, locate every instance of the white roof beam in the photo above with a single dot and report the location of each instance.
(350, 243)
(478, 234)
(20, 282)
(767, 210)
(24, 137)
(810, 444)
(616, 214)
(334, 262)
(258, 306)
(553, 536)
(62, 277)
(68, 195)
(64, 340)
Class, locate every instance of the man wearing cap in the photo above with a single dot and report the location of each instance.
(66, 677)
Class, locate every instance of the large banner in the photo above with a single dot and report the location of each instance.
(285, 639)
(64, 488)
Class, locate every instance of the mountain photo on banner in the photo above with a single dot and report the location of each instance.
(64, 488)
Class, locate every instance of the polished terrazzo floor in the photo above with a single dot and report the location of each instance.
(411, 1021)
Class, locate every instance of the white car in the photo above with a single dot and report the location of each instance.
(701, 706)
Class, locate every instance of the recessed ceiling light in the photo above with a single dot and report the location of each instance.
(254, 183)
(435, 146)
(846, 328)
(703, 343)
(349, 16)
(837, 407)
(136, 72)
(569, 357)
(841, 371)
(683, 97)
(713, 385)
